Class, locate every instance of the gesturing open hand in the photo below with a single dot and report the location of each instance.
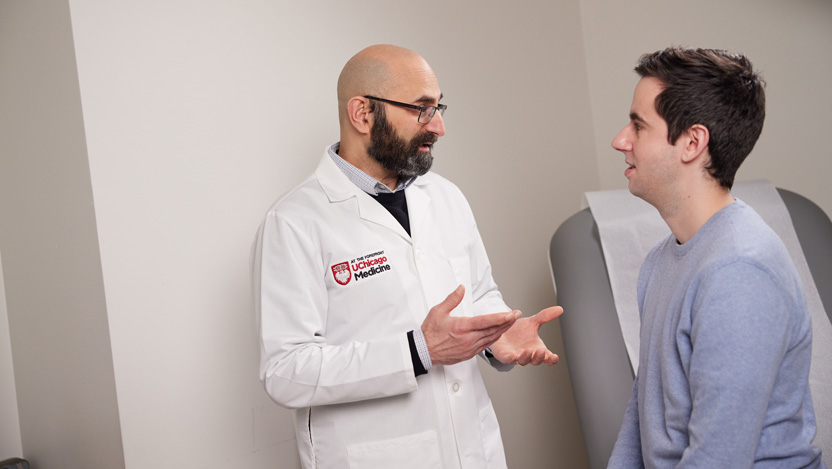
(452, 339)
(522, 345)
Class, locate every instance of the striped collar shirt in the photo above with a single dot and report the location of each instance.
(364, 181)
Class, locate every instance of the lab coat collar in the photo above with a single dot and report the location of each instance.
(418, 203)
(339, 188)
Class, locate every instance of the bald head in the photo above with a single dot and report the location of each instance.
(382, 136)
(377, 71)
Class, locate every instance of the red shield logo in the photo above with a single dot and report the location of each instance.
(341, 272)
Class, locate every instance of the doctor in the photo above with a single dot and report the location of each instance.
(373, 291)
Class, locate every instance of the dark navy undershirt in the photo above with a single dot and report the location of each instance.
(396, 204)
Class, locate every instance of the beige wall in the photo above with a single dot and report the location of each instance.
(193, 116)
(63, 366)
(198, 115)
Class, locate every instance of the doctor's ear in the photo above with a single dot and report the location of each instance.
(360, 114)
(696, 140)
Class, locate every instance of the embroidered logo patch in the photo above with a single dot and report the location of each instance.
(361, 268)
(341, 272)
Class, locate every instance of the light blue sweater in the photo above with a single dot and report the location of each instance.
(726, 342)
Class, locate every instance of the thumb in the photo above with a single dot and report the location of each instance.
(548, 314)
(451, 301)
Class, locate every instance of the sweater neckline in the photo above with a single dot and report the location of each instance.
(682, 250)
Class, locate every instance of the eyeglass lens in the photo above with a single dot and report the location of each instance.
(426, 114)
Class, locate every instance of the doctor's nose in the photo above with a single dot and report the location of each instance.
(436, 125)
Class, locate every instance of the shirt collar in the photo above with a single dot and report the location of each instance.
(364, 181)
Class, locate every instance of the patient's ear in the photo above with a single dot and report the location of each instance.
(696, 140)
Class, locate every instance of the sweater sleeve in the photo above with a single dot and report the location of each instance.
(739, 332)
(627, 451)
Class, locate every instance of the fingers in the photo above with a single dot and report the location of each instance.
(487, 321)
(551, 359)
(487, 339)
(536, 357)
(544, 356)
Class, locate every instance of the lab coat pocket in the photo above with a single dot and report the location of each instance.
(416, 451)
(462, 273)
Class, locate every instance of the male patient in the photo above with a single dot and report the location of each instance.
(726, 336)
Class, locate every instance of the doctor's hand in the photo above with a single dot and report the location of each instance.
(452, 339)
(521, 344)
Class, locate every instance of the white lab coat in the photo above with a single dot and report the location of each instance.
(338, 352)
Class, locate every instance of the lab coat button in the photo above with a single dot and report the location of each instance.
(419, 255)
(455, 387)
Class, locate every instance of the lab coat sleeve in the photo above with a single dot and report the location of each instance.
(486, 296)
(297, 365)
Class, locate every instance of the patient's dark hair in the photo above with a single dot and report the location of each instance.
(714, 88)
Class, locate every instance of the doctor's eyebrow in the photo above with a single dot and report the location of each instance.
(428, 99)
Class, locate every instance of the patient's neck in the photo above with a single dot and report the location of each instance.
(693, 209)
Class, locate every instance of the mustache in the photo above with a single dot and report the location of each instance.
(426, 139)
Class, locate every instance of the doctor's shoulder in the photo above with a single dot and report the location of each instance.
(300, 198)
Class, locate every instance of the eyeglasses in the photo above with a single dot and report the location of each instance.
(425, 112)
